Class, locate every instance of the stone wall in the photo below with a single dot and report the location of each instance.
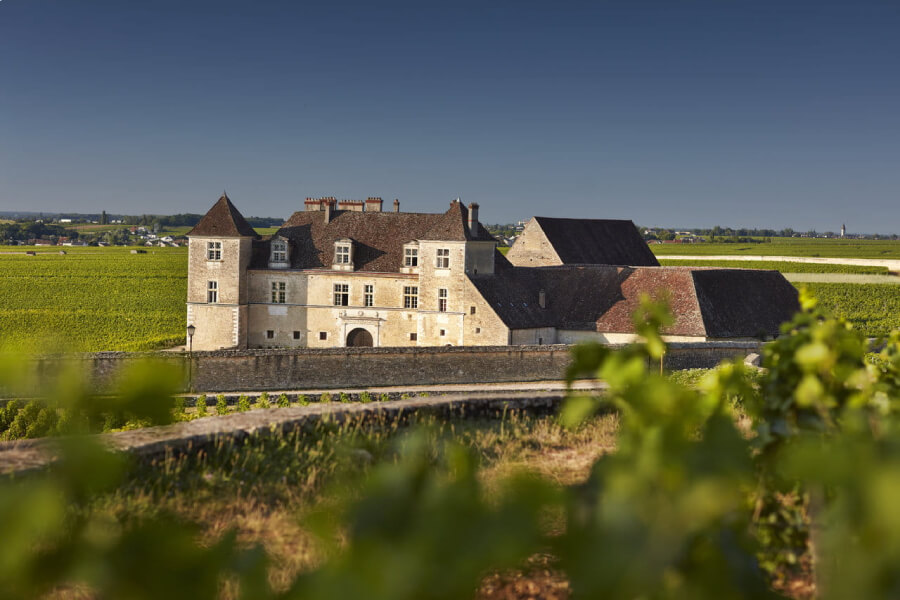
(342, 368)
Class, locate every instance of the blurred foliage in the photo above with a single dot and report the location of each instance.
(713, 488)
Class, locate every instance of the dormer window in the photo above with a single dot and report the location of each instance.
(278, 254)
(343, 255)
(410, 258)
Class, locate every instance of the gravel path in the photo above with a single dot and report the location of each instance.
(891, 264)
(840, 278)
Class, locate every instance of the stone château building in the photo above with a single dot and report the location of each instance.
(349, 273)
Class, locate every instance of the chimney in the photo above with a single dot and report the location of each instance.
(354, 205)
(473, 218)
(312, 204)
(542, 299)
(396, 205)
(373, 205)
(328, 208)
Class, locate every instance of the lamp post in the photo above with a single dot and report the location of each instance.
(190, 331)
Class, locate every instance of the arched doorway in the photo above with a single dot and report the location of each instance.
(359, 337)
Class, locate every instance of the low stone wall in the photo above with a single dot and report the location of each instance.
(33, 455)
(337, 368)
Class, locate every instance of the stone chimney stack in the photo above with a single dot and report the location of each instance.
(396, 205)
(473, 218)
(373, 204)
(328, 207)
(312, 204)
(354, 205)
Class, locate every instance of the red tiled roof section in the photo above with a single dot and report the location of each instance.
(453, 227)
(597, 242)
(378, 237)
(223, 220)
(675, 285)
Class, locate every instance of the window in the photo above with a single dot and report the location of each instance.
(278, 292)
(442, 299)
(369, 295)
(214, 251)
(413, 337)
(270, 334)
(341, 294)
(342, 254)
(410, 296)
(323, 335)
(410, 257)
(212, 291)
(471, 310)
(443, 258)
(443, 332)
(279, 251)
(296, 335)
(478, 330)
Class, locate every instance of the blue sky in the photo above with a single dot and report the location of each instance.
(681, 113)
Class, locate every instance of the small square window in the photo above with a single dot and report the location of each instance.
(471, 310)
(478, 330)
(323, 335)
(443, 332)
(270, 334)
(413, 337)
(296, 335)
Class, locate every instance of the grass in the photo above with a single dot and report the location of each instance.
(262, 484)
(782, 266)
(834, 248)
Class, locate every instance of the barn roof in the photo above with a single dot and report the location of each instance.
(717, 303)
(223, 220)
(597, 242)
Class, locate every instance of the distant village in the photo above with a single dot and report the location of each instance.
(37, 229)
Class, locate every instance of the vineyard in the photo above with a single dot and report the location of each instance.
(873, 309)
(782, 266)
(835, 248)
(93, 299)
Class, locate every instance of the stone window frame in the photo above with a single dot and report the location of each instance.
(443, 294)
(213, 251)
(212, 292)
(279, 251)
(341, 294)
(369, 295)
(279, 292)
(411, 255)
(296, 335)
(413, 337)
(270, 334)
(442, 258)
(411, 296)
(323, 335)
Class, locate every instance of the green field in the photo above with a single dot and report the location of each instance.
(790, 247)
(92, 299)
(874, 309)
(782, 266)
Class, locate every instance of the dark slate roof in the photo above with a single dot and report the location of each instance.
(223, 220)
(453, 226)
(744, 302)
(597, 242)
(718, 303)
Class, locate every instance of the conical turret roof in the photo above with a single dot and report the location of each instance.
(223, 220)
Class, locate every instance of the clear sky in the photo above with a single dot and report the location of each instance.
(684, 113)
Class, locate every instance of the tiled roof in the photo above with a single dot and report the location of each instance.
(378, 236)
(223, 220)
(719, 303)
(453, 226)
(597, 242)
